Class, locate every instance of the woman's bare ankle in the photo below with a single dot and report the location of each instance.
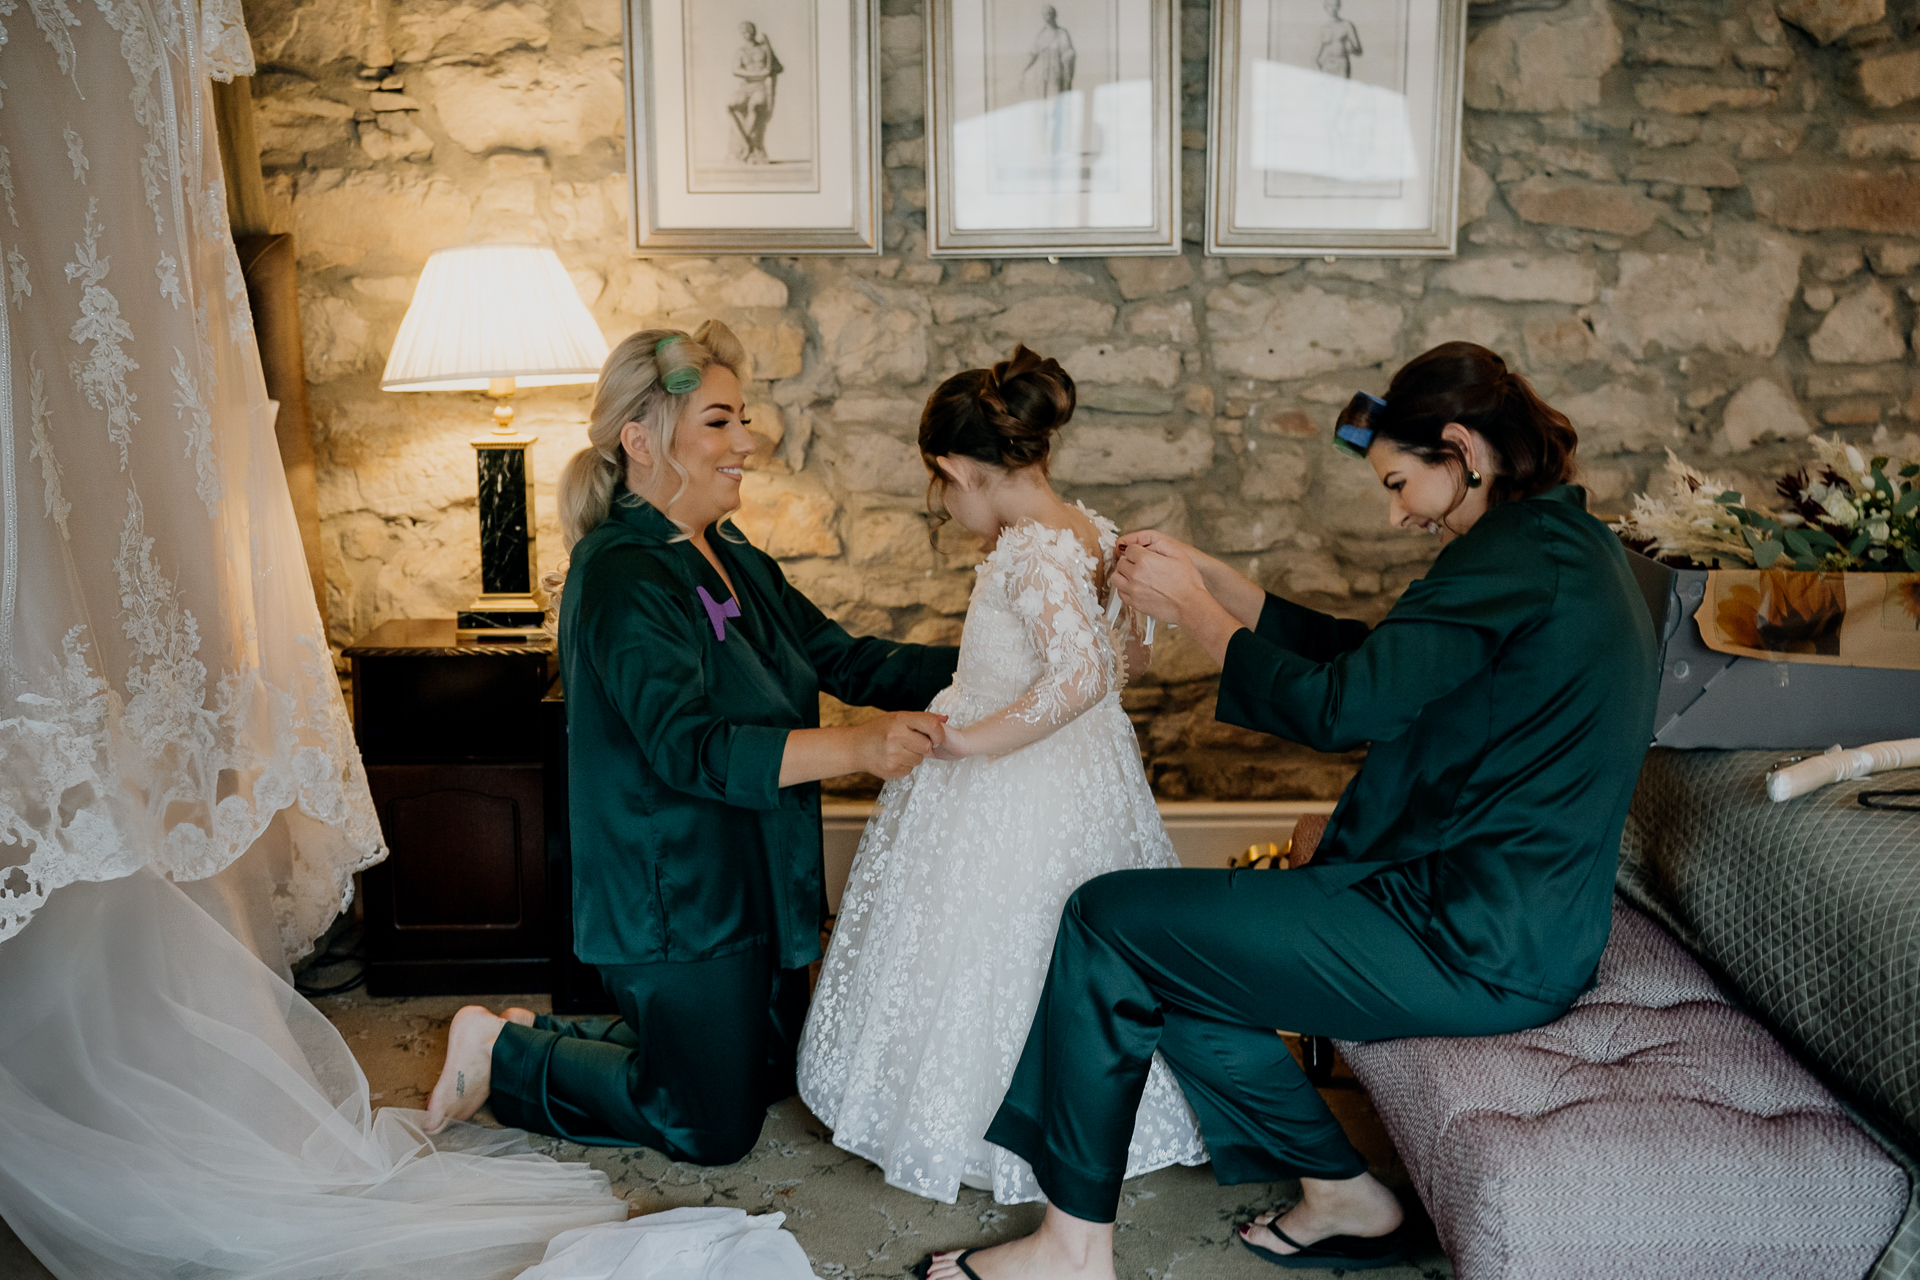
(467, 1078)
(1358, 1206)
(1064, 1248)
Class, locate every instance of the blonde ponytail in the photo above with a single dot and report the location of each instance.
(633, 388)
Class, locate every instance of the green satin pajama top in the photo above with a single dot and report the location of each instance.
(685, 846)
(1506, 702)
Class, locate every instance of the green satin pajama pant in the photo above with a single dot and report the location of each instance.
(698, 1053)
(1202, 966)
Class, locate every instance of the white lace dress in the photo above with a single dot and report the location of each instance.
(947, 925)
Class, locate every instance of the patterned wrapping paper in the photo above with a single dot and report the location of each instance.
(1830, 619)
(1810, 910)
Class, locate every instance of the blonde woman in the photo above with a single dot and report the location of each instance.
(693, 673)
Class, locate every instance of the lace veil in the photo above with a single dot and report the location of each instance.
(167, 698)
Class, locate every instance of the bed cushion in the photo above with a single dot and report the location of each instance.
(1655, 1129)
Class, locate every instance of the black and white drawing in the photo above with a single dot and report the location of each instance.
(1051, 126)
(757, 70)
(1339, 44)
(755, 126)
(1334, 126)
(1334, 121)
(1047, 67)
(751, 114)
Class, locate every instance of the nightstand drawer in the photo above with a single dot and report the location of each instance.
(465, 878)
(434, 708)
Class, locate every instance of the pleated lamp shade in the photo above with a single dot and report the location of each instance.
(486, 311)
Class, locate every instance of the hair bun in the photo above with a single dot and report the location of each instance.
(1005, 415)
(1032, 390)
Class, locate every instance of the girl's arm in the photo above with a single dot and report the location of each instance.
(1076, 676)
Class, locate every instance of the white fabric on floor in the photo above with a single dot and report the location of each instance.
(169, 1107)
(680, 1244)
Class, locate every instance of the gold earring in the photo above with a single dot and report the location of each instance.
(1473, 478)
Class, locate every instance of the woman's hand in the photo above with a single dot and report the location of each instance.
(894, 743)
(1243, 599)
(1164, 578)
(1156, 575)
(1153, 539)
(889, 745)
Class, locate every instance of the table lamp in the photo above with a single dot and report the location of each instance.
(494, 318)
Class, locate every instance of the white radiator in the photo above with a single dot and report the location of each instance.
(1205, 832)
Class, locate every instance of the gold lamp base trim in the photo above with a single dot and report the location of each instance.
(502, 617)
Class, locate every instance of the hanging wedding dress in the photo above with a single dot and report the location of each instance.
(172, 737)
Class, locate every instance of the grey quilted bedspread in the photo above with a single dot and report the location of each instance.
(1811, 910)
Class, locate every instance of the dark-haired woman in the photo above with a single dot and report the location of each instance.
(1462, 887)
(693, 674)
(942, 939)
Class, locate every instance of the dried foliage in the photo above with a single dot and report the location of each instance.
(1852, 510)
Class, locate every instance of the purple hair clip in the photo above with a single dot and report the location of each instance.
(718, 614)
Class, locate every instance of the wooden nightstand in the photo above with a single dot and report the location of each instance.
(451, 732)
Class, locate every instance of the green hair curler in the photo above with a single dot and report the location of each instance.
(680, 379)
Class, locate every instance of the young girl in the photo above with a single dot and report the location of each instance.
(942, 942)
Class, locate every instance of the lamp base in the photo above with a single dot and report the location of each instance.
(502, 617)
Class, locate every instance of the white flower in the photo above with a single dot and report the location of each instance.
(1878, 530)
(1836, 505)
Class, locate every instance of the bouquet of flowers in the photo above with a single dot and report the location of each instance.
(1852, 511)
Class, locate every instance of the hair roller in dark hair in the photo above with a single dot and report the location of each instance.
(1466, 383)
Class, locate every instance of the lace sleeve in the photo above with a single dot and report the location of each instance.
(1047, 584)
(223, 40)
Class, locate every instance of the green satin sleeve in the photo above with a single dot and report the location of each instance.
(863, 671)
(1442, 631)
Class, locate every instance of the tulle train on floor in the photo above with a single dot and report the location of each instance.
(169, 1107)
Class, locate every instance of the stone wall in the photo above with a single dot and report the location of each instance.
(1695, 225)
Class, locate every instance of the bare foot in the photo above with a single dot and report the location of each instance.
(519, 1016)
(1065, 1247)
(1350, 1207)
(468, 1076)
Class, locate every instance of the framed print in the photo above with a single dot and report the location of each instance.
(752, 126)
(1051, 127)
(1334, 127)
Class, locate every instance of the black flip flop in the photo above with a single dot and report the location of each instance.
(926, 1265)
(1349, 1253)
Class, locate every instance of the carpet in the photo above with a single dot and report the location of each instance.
(1176, 1224)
